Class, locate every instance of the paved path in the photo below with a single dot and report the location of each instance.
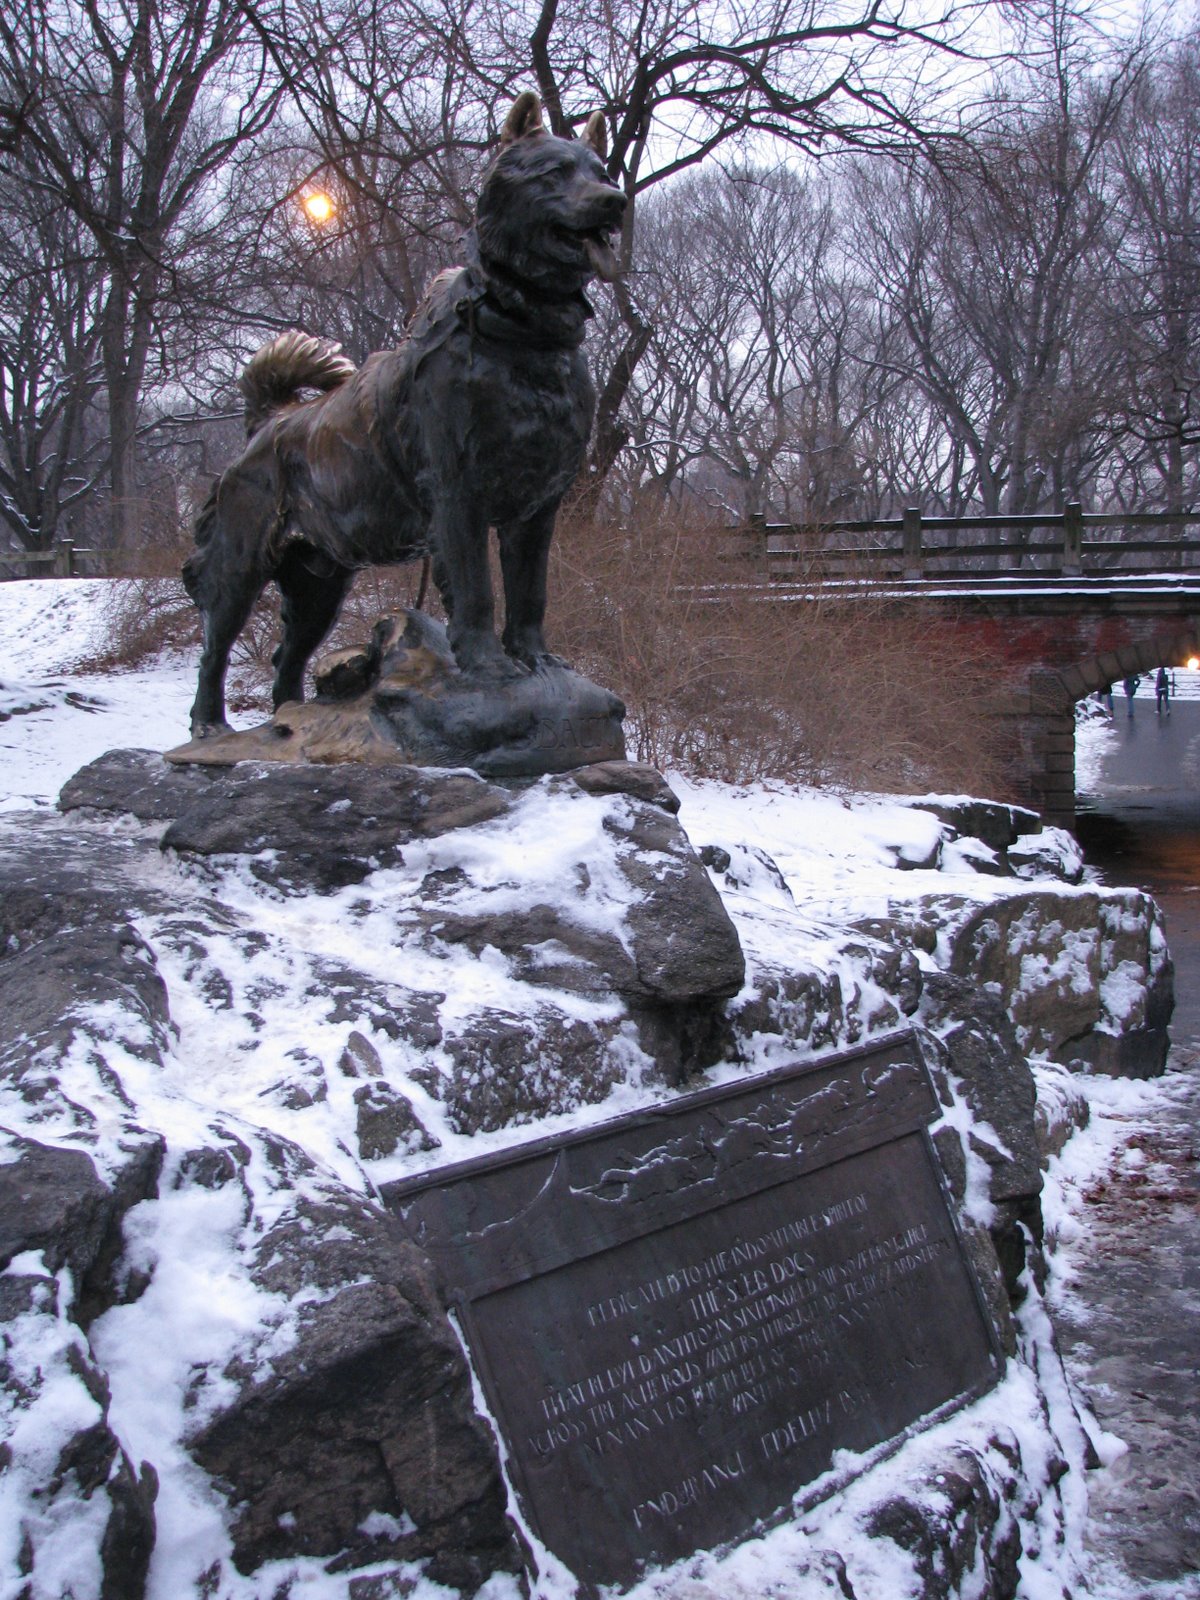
(1136, 1354)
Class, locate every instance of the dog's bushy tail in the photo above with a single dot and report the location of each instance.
(276, 373)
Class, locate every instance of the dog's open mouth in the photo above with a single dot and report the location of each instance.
(597, 242)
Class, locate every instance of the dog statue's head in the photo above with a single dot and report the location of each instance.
(547, 209)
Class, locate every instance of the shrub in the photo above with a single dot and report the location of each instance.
(725, 678)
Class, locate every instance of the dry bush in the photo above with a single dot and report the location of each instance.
(379, 592)
(146, 612)
(144, 618)
(724, 678)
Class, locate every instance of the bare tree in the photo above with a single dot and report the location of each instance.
(1156, 328)
(994, 283)
(156, 157)
(387, 121)
(50, 290)
(117, 115)
(347, 260)
(755, 320)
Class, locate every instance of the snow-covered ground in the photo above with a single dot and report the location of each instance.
(1094, 732)
(1094, 737)
(838, 854)
(54, 719)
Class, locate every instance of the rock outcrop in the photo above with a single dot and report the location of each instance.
(67, 1002)
(1085, 975)
(358, 1440)
(976, 1047)
(1083, 972)
(234, 1001)
(74, 1509)
(337, 1422)
(321, 1420)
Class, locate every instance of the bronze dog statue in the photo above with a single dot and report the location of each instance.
(478, 419)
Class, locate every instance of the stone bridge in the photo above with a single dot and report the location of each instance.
(1064, 602)
(1053, 644)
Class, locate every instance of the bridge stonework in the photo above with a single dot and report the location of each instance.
(1054, 645)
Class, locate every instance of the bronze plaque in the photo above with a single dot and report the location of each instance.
(680, 1315)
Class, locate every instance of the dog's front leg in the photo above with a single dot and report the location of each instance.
(524, 558)
(459, 539)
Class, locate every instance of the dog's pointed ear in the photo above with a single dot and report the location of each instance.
(524, 118)
(595, 134)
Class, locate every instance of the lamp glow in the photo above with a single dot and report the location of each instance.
(1193, 662)
(318, 207)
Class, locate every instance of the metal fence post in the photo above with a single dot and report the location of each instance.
(1072, 562)
(911, 536)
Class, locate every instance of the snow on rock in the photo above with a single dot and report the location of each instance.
(1053, 853)
(995, 1173)
(1083, 970)
(1062, 1107)
(482, 928)
(247, 1310)
(76, 1518)
(347, 1428)
(990, 822)
(1085, 975)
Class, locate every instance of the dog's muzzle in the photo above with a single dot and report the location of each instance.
(598, 240)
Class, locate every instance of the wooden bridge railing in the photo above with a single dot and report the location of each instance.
(65, 560)
(916, 548)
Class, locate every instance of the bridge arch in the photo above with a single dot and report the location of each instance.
(1056, 644)
(1045, 732)
(1112, 666)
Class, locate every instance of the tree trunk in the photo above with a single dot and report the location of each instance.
(609, 435)
(126, 346)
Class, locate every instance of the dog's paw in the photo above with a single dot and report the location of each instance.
(497, 669)
(547, 658)
(532, 653)
(483, 660)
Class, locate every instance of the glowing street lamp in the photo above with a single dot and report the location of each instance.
(318, 207)
(1193, 662)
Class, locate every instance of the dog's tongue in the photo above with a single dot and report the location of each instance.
(602, 257)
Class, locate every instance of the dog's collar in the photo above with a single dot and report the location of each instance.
(555, 329)
(497, 306)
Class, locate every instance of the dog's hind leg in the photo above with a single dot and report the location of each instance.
(228, 569)
(311, 596)
(224, 618)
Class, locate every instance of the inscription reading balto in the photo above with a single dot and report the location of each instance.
(701, 1306)
(716, 1267)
